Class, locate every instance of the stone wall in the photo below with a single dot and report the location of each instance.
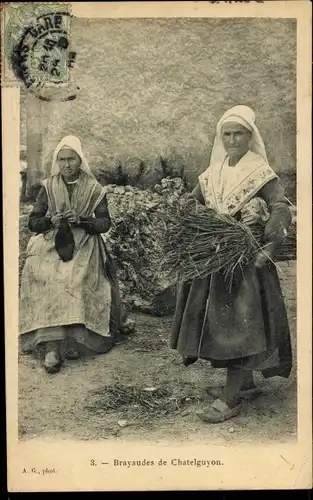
(154, 89)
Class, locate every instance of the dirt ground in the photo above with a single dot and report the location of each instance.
(141, 390)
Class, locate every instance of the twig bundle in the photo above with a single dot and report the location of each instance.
(200, 242)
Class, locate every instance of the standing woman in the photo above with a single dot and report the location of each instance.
(245, 329)
(69, 293)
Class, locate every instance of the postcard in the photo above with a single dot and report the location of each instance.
(157, 245)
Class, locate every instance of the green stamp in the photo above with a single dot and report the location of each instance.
(36, 45)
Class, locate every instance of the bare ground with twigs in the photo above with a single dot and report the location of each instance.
(141, 390)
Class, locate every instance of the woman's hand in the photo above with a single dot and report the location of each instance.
(263, 256)
(56, 219)
(249, 219)
(71, 216)
(255, 212)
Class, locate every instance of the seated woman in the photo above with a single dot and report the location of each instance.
(246, 329)
(69, 292)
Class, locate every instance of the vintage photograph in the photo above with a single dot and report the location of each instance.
(157, 267)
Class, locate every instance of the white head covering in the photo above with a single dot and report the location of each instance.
(246, 117)
(72, 142)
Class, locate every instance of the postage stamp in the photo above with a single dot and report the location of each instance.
(36, 45)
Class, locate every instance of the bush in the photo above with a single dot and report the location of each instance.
(140, 175)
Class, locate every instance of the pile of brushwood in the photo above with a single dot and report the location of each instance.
(136, 242)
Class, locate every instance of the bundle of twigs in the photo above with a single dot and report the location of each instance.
(200, 242)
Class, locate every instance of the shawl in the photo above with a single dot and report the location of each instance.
(87, 192)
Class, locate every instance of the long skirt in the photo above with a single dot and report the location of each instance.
(77, 302)
(244, 324)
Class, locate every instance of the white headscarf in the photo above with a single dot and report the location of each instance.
(72, 142)
(228, 189)
(246, 117)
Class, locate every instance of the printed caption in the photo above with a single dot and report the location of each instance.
(173, 462)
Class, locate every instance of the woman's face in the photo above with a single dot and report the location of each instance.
(69, 163)
(235, 139)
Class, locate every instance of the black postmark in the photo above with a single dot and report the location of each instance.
(42, 57)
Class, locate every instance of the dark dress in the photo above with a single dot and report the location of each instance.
(246, 327)
(40, 223)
